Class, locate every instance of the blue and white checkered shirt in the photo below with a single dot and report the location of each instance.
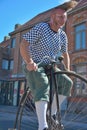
(45, 42)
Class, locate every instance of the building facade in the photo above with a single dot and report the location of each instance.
(12, 80)
(76, 29)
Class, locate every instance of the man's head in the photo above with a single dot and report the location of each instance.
(58, 17)
(59, 14)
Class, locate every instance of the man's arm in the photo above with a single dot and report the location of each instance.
(67, 60)
(24, 51)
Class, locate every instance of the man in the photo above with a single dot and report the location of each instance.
(44, 39)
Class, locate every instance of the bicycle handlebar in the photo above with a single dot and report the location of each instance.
(52, 62)
(47, 57)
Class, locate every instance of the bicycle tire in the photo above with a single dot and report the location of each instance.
(19, 107)
(22, 109)
(73, 116)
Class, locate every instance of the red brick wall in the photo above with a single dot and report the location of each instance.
(75, 19)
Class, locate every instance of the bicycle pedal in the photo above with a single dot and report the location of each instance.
(54, 125)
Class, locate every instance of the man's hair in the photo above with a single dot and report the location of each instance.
(55, 10)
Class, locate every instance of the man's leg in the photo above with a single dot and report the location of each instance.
(64, 84)
(39, 85)
(41, 109)
(54, 103)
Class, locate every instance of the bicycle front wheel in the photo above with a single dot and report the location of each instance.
(73, 108)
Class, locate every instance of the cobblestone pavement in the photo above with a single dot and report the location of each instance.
(8, 115)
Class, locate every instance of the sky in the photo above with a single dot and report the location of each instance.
(20, 11)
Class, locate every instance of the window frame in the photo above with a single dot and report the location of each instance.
(11, 65)
(81, 36)
(13, 42)
(5, 65)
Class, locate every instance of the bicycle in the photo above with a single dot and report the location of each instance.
(69, 115)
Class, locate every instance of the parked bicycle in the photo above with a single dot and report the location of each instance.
(72, 110)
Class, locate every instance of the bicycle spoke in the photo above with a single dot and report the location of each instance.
(73, 109)
(75, 117)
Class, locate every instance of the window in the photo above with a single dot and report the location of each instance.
(81, 69)
(5, 64)
(80, 37)
(8, 46)
(13, 42)
(80, 87)
(11, 64)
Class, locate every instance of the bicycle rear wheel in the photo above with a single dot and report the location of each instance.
(73, 108)
(27, 118)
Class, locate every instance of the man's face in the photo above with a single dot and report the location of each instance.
(60, 18)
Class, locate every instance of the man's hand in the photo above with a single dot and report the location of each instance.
(32, 66)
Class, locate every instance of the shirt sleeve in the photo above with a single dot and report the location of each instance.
(33, 35)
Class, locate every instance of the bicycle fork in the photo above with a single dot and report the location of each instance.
(53, 78)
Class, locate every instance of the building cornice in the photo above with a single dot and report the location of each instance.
(66, 6)
(77, 9)
(27, 27)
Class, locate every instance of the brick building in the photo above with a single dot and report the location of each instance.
(12, 80)
(76, 29)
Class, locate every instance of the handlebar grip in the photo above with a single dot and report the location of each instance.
(60, 58)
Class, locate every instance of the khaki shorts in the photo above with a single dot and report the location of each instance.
(39, 83)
